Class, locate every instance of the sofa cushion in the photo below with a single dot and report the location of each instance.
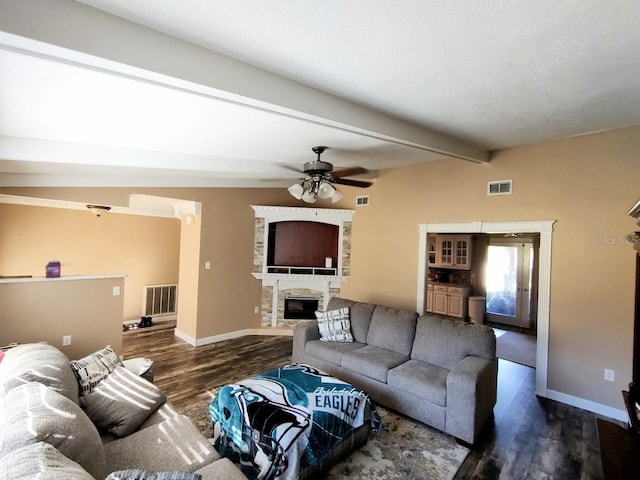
(334, 325)
(138, 474)
(392, 329)
(359, 315)
(38, 362)
(40, 461)
(372, 362)
(90, 370)
(122, 401)
(223, 469)
(35, 413)
(421, 379)
(445, 342)
(329, 351)
(172, 445)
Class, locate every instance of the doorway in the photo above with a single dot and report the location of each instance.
(544, 229)
(511, 265)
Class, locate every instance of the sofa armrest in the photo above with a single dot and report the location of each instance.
(471, 395)
(302, 333)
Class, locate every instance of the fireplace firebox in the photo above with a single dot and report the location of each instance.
(300, 308)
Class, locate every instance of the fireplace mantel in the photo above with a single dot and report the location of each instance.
(276, 286)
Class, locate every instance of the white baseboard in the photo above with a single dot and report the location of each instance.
(230, 335)
(185, 337)
(588, 405)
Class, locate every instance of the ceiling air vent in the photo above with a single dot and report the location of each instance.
(362, 201)
(499, 187)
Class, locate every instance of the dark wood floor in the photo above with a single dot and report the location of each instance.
(530, 438)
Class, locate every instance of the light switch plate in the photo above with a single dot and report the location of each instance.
(116, 291)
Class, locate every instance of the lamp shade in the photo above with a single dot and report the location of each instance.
(326, 190)
(309, 197)
(296, 191)
(337, 195)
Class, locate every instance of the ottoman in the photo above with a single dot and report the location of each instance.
(291, 422)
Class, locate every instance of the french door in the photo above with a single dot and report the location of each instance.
(508, 282)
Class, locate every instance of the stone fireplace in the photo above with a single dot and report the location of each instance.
(315, 268)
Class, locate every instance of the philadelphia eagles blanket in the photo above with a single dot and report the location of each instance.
(289, 417)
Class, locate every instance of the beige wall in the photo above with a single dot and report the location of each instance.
(587, 184)
(143, 248)
(227, 293)
(45, 311)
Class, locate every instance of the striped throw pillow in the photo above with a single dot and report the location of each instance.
(335, 325)
(91, 369)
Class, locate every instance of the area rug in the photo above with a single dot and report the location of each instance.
(405, 449)
(517, 347)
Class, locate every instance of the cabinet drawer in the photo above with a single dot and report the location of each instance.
(456, 291)
(429, 286)
(441, 288)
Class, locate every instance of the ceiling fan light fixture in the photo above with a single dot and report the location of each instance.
(296, 190)
(337, 195)
(326, 190)
(309, 197)
(98, 210)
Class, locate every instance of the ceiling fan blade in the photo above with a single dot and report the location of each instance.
(348, 172)
(352, 183)
(289, 167)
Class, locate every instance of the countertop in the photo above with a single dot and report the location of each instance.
(447, 284)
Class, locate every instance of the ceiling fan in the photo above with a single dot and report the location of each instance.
(319, 178)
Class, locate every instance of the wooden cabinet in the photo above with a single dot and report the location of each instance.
(431, 249)
(440, 299)
(429, 297)
(447, 300)
(453, 251)
(457, 302)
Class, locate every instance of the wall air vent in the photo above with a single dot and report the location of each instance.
(499, 187)
(160, 300)
(362, 201)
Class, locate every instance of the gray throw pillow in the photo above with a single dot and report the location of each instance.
(40, 461)
(334, 325)
(90, 370)
(35, 413)
(122, 401)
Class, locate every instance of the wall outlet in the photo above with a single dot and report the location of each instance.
(609, 375)
(116, 291)
(256, 309)
(207, 265)
(66, 340)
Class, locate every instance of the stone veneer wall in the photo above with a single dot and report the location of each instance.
(258, 246)
(267, 298)
(346, 249)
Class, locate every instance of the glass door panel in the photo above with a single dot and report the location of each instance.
(502, 282)
(508, 282)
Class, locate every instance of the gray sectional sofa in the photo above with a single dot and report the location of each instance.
(44, 433)
(439, 371)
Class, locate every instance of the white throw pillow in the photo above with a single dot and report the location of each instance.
(335, 325)
(91, 369)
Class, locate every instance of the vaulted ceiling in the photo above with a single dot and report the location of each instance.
(213, 93)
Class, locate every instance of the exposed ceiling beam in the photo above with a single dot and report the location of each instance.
(82, 35)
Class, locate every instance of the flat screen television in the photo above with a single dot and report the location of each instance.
(302, 244)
